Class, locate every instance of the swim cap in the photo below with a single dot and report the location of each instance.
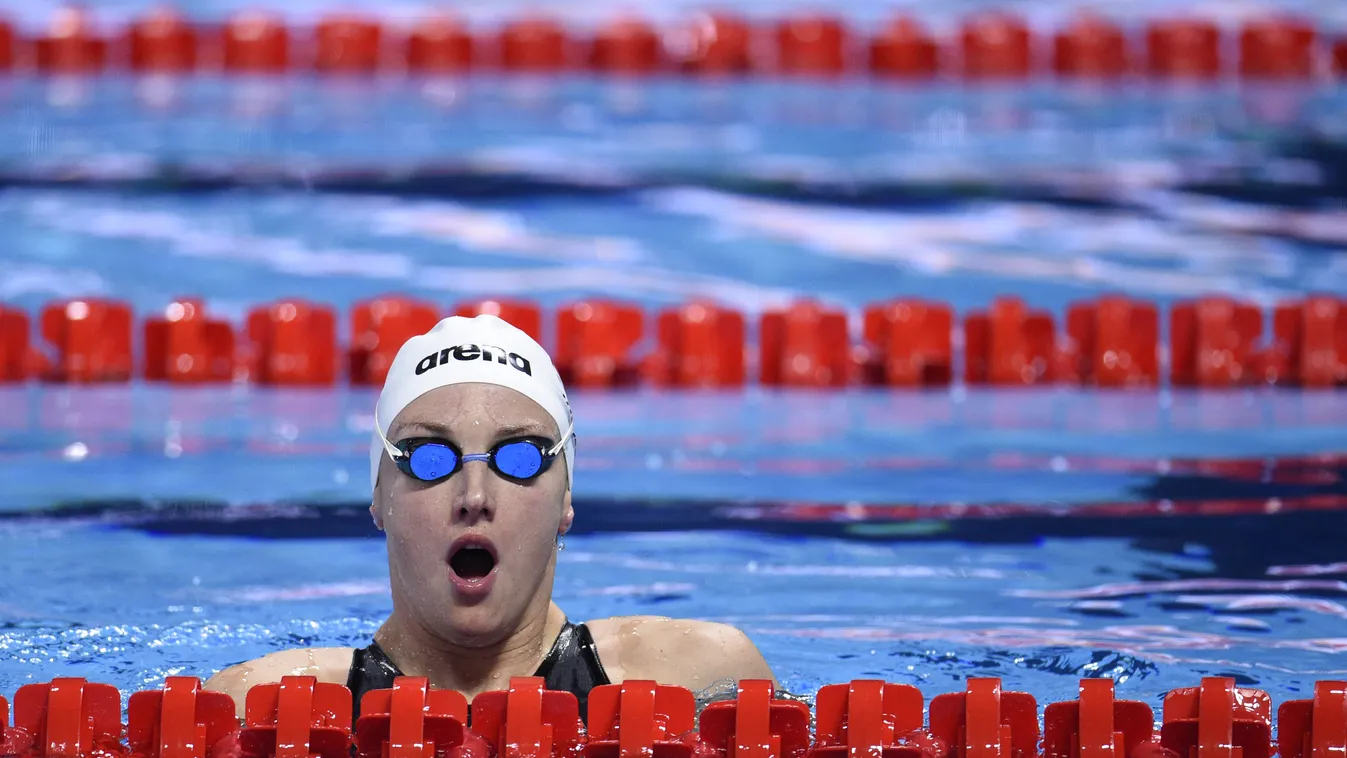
(480, 349)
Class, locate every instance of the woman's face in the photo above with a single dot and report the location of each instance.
(469, 555)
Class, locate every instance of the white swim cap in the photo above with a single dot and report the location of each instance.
(481, 349)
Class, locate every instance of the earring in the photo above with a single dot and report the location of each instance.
(561, 544)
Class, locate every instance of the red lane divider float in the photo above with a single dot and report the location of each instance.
(628, 46)
(528, 721)
(16, 355)
(411, 720)
(164, 42)
(594, 343)
(91, 340)
(180, 721)
(904, 49)
(184, 346)
(1097, 725)
(299, 716)
(379, 328)
(698, 345)
(1218, 719)
(806, 345)
(909, 343)
(1112, 343)
(292, 343)
(995, 44)
(856, 718)
(440, 45)
(1091, 46)
(256, 43)
(1109, 342)
(641, 718)
(1314, 728)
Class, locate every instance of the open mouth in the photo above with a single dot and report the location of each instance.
(472, 562)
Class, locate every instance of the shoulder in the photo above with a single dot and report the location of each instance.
(683, 652)
(328, 664)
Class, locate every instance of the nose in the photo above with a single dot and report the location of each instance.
(474, 502)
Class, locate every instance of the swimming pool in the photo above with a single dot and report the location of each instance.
(921, 537)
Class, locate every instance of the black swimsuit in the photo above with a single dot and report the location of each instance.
(572, 665)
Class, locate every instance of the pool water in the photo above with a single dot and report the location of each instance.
(922, 537)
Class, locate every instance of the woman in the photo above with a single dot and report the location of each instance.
(471, 464)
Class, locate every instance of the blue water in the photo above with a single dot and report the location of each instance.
(922, 537)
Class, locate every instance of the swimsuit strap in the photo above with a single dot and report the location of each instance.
(571, 665)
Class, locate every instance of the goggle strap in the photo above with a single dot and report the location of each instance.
(393, 452)
(562, 443)
(397, 454)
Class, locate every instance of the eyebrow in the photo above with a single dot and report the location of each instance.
(530, 429)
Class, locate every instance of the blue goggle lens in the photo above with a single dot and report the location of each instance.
(431, 461)
(519, 459)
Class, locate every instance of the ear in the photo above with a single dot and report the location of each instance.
(567, 514)
(377, 514)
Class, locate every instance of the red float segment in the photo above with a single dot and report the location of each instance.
(298, 717)
(348, 44)
(995, 45)
(162, 42)
(714, 44)
(1096, 725)
(1212, 343)
(440, 45)
(909, 343)
(70, 716)
(15, 345)
(595, 339)
(6, 45)
(985, 722)
(379, 328)
(806, 345)
(1114, 342)
(524, 316)
(293, 343)
(1090, 46)
(183, 346)
(256, 43)
(12, 741)
(812, 45)
(904, 49)
(754, 725)
(411, 720)
(530, 721)
(640, 717)
(1277, 48)
(1009, 345)
(1314, 728)
(870, 717)
(91, 339)
(1309, 343)
(71, 45)
(1211, 719)
(1340, 57)
(535, 44)
(1184, 48)
(181, 721)
(699, 344)
(627, 46)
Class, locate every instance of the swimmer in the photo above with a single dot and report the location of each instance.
(471, 466)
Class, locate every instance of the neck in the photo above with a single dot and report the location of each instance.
(470, 668)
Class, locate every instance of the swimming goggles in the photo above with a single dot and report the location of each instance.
(431, 459)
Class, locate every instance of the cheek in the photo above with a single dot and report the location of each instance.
(413, 523)
(534, 519)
